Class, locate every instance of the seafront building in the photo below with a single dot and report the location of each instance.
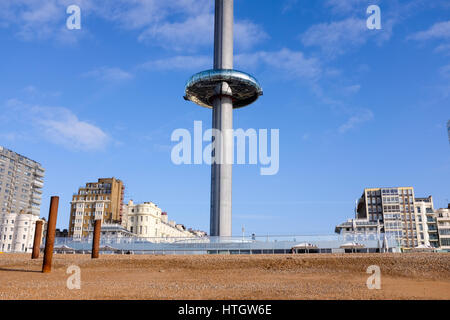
(115, 231)
(396, 212)
(104, 200)
(147, 220)
(17, 232)
(101, 200)
(394, 207)
(21, 182)
(443, 223)
(427, 231)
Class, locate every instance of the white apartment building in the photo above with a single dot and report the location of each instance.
(146, 220)
(426, 224)
(17, 232)
(21, 182)
(443, 221)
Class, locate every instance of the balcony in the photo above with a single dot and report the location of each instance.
(38, 173)
(36, 195)
(36, 201)
(38, 184)
(39, 180)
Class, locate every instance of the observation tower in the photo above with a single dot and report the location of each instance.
(222, 89)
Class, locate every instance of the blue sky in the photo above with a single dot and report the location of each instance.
(355, 107)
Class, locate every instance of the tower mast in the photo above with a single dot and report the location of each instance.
(222, 89)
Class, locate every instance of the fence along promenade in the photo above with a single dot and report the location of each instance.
(231, 245)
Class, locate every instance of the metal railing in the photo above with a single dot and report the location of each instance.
(252, 244)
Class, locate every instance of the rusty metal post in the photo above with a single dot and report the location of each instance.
(37, 239)
(50, 237)
(96, 239)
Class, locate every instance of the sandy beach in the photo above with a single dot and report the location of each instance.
(403, 276)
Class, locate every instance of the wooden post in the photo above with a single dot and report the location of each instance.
(50, 237)
(96, 239)
(37, 239)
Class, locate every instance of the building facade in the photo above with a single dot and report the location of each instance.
(17, 232)
(443, 223)
(354, 229)
(102, 200)
(61, 233)
(396, 212)
(426, 222)
(21, 182)
(115, 231)
(147, 220)
(395, 209)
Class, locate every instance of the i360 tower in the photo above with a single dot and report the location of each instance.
(222, 89)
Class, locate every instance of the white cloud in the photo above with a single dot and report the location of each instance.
(288, 5)
(350, 90)
(38, 19)
(336, 37)
(306, 136)
(349, 6)
(439, 30)
(248, 34)
(179, 63)
(33, 18)
(33, 92)
(292, 63)
(187, 35)
(198, 31)
(63, 127)
(109, 74)
(363, 115)
(174, 24)
(443, 48)
(137, 14)
(445, 71)
(56, 124)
